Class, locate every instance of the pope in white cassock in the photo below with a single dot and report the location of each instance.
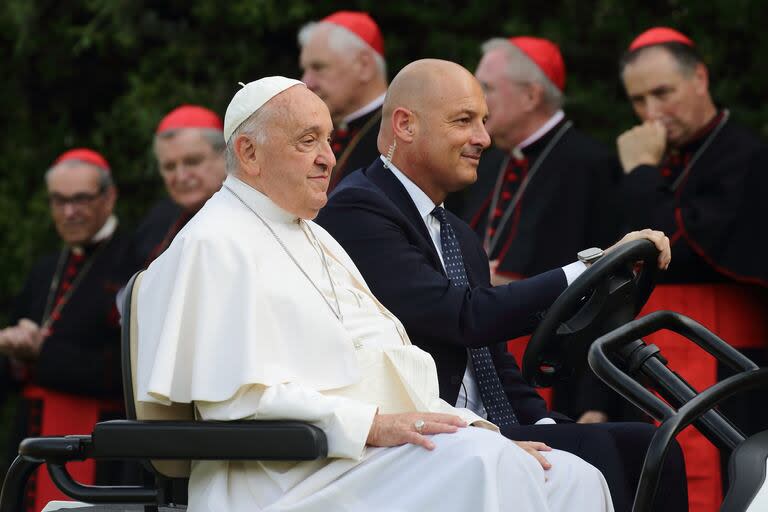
(255, 312)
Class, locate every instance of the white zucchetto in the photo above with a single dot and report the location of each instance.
(251, 98)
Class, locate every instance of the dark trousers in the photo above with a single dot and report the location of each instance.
(618, 451)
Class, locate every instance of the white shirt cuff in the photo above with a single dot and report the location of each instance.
(573, 271)
(546, 421)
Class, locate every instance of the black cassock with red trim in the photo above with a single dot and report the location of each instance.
(565, 207)
(76, 380)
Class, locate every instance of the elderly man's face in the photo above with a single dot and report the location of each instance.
(453, 134)
(330, 74)
(296, 160)
(79, 206)
(505, 98)
(191, 169)
(659, 90)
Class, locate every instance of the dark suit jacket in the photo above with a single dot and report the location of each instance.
(372, 216)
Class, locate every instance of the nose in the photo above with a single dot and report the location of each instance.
(481, 137)
(653, 109)
(69, 210)
(326, 156)
(182, 172)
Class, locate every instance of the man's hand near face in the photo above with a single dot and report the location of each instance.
(642, 145)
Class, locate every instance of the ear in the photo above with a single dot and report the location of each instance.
(403, 124)
(366, 64)
(701, 79)
(247, 155)
(534, 96)
(111, 195)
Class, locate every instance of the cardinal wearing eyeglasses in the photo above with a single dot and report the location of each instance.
(61, 346)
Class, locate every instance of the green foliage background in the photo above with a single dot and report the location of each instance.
(101, 73)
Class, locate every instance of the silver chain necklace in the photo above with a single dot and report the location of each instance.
(490, 242)
(700, 151)
(336, 312)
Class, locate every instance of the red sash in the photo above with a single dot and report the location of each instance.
(64, 414)
(516, 347)
(736, 313)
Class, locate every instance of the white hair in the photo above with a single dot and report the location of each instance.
(521, 68)
(105, 177)
(254, 126)
(213, 136)
(341, 40)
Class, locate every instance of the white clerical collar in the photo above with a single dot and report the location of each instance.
(543, 130)
(422, 201)
(357, 114)
(106, 231)
(258, 201)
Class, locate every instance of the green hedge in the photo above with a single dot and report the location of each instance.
(102, 72)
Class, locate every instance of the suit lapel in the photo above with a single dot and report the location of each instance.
(395, 191)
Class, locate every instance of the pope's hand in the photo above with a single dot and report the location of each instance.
(533, 448)
(657, 237)
(398, 429)
(642, 145)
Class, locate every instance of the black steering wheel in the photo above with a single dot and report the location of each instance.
(610, 293)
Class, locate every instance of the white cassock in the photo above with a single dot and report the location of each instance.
(227, 320)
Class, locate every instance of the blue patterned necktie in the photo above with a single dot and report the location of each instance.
(494, 399)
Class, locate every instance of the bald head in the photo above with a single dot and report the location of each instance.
(433, 117)
(423, 85)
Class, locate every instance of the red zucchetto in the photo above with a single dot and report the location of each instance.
(362, 25)
(546, 55)
(659, 35)
(83, 155)
(190, 116)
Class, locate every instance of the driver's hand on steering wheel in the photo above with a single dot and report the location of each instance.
(660, 240)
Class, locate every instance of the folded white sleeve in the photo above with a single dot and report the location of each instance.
(346, 422)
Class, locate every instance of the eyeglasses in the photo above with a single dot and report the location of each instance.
(80, 200)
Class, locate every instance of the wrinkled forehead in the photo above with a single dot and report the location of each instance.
(299, 109)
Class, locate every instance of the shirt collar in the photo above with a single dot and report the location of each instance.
(259, 201)
(543, 129)
(422, 201)
(106, 231)
(357, 114)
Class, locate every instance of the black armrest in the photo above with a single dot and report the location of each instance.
(193, 440)
(179, 440)
(209, 440)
